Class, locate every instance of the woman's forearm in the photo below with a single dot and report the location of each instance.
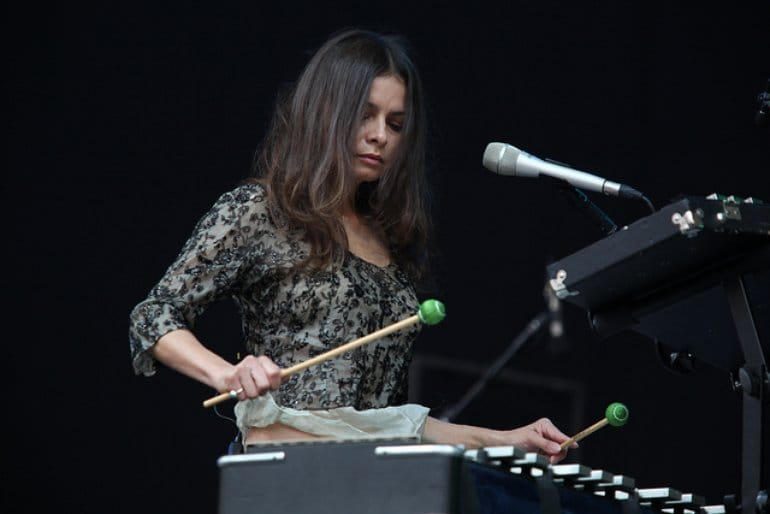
(182, 351)
(438, 431)
(541, 436)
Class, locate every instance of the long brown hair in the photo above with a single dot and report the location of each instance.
(305, 159)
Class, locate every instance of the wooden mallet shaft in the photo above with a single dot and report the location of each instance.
(231, 395)
(585, 433)
(351, 345)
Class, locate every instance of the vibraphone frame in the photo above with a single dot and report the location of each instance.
(402, 476)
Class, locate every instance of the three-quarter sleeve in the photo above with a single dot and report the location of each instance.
(212, 264)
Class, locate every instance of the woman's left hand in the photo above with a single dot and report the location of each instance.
(542, 437)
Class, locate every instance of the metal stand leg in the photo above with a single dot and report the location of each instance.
(753, 377)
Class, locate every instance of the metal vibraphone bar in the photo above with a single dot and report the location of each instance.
(579, 477)
(401, 476)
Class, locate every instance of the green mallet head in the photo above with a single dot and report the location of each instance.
(616, 414)
(431, 312)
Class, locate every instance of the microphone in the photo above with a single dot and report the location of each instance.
(506, 159)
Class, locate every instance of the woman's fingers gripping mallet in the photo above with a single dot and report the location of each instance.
(256, 376)
(545, 438)
(249, 378)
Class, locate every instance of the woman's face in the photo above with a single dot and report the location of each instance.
(379, 134)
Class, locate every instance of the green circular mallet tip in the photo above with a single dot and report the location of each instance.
(616, 414)
(432, 312)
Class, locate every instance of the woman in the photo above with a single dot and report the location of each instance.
(326, 243)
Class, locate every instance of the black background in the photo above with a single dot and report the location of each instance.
(126, 121)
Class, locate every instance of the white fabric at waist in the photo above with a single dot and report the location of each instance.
(406, 420)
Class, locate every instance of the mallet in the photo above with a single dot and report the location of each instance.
(431, 313)
(616, 415)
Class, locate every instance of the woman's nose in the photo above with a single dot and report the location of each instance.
(376, 132)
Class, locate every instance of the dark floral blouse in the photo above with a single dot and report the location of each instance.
(237, 251)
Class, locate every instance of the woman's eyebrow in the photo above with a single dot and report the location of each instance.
(370, 105)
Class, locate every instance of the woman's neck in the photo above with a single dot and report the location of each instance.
(364, 240)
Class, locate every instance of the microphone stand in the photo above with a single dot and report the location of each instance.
(760, 119)
(578, 199)
(532, 328)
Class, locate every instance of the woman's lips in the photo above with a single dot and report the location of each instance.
(372, 159)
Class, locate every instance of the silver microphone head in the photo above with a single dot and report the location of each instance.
(501, 158)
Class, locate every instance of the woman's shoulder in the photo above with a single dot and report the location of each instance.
(245, 192)
(245, 197)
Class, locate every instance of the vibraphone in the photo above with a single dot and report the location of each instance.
(401, 476)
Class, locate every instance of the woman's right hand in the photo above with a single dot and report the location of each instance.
(182, 351)
(254, 376)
